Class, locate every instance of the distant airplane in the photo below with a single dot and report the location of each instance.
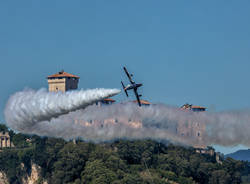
(133, 86)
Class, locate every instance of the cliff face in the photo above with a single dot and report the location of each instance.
(34, 177)
(3, 178)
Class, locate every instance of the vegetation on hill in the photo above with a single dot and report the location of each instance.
(240, 155)
(122, 161)
(3, 128)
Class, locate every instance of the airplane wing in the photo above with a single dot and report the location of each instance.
(124, 89)
(129, 76)
(137, 97)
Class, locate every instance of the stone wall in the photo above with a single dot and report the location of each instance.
(64, 84)
(4, 140)
(57, 85)
(71, 83)
(186, 129)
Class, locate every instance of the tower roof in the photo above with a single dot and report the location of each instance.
(143, 102)
(62, 74)
(109, 100)
(197, 107)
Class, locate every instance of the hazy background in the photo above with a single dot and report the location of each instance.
(183, 51)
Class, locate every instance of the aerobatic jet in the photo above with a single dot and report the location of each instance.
(132, 85)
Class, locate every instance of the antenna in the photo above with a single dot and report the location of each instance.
(61, 72)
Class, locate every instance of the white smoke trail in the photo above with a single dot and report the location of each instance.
(228, 128)
(26, 108)
(32, 112)
(161, 122)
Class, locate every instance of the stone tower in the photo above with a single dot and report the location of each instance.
(62, 81)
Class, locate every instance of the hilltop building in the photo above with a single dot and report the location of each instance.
(209, 151)
(5, 140)
(191, 127)
(107, 101)
(194, 108)
(62, 81)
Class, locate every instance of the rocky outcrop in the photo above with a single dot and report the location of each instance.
(35, 176)
(3, 178)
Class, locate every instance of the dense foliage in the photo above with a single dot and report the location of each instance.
(128, 162)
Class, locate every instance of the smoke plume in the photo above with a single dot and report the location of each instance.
(71, 115)
(26, 108)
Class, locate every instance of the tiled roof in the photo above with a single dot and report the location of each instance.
(145, 102)
(197, 107)
(109, 99)
(63, 74)
(192, 107)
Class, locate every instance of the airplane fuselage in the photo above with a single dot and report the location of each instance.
(133, 86)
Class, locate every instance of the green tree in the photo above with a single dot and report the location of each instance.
(10, 164)
(3, 127)
(96, 172)
(71, 161)
(220, 177)
(19, 140)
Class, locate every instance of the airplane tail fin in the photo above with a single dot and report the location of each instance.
(124, 89)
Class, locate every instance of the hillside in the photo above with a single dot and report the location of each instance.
(240, 155)
(51, 160)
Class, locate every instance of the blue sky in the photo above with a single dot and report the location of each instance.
(183, 51)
